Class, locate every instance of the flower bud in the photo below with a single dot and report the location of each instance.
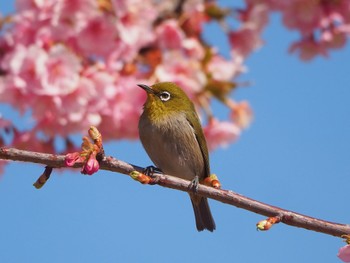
(91, 166)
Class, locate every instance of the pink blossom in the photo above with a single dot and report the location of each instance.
(222, 69)
(313, 18)
(322, 24)
(303, 15)
(64, 60)
(119, 118)
(248, 37)
(183, 70)
(67, 18)
(308, 48)
(344, 253)
(193, 48)
(255, 16)
(43, 73)
(244, 40)
(220, 133)
(241, 114)
(334, 38)
(99, 37)
(60, 72)
(193, 6)
(79, 109)
(170, 35)
(136, 19)
(195, 18)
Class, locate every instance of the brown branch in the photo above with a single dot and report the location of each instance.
(224, 196)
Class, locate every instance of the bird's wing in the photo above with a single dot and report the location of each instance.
(200, 138)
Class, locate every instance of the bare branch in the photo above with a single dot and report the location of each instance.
(224, 196)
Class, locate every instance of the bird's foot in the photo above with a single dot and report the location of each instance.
(194, 184)
(151, 170)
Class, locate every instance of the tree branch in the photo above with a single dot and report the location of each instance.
(224, 196)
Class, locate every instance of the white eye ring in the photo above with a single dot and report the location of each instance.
(164, 96)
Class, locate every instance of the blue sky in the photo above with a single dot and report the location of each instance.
(295, 155)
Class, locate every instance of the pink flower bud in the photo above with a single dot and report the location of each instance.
(72, 158)
(344, 253)
(91, 166)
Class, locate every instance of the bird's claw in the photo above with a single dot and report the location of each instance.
(151, 170)
(194, 184)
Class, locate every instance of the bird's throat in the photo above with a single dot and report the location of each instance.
(155, 112)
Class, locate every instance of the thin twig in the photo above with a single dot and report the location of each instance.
(224, 196)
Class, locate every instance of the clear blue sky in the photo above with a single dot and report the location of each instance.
(295, 155)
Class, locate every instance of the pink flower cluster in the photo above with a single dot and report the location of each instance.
(76, 63)
(323, 25)
(247, 37)
(62, 60)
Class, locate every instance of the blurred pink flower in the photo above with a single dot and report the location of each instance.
(308, 48)
(195, 17)
(241, 114)
(170, 35)
(247, 37)
(28, 140)
(322, 24)
(222, 69)
(334, 38)
(99, 37)
(122, 109)
(220, 134)
(303, 15)
(136, 17)
(255, 15)
(344, 253)
(193, 48)
(67, 18)
(183, 70)
(245, 40)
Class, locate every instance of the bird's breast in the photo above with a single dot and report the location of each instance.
(172, 146)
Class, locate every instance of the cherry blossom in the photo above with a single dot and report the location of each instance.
(220, 133)
(247, 38)
(76, 63)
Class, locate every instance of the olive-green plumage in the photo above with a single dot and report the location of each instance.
(171, 134)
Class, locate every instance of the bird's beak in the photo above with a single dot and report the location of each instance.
(148, 89)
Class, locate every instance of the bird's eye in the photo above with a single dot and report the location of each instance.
(164, 96)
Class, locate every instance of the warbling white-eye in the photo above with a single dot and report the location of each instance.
(172, 136)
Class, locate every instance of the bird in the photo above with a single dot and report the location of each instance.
(171, 133)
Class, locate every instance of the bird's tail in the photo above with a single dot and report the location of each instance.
(204, 219)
